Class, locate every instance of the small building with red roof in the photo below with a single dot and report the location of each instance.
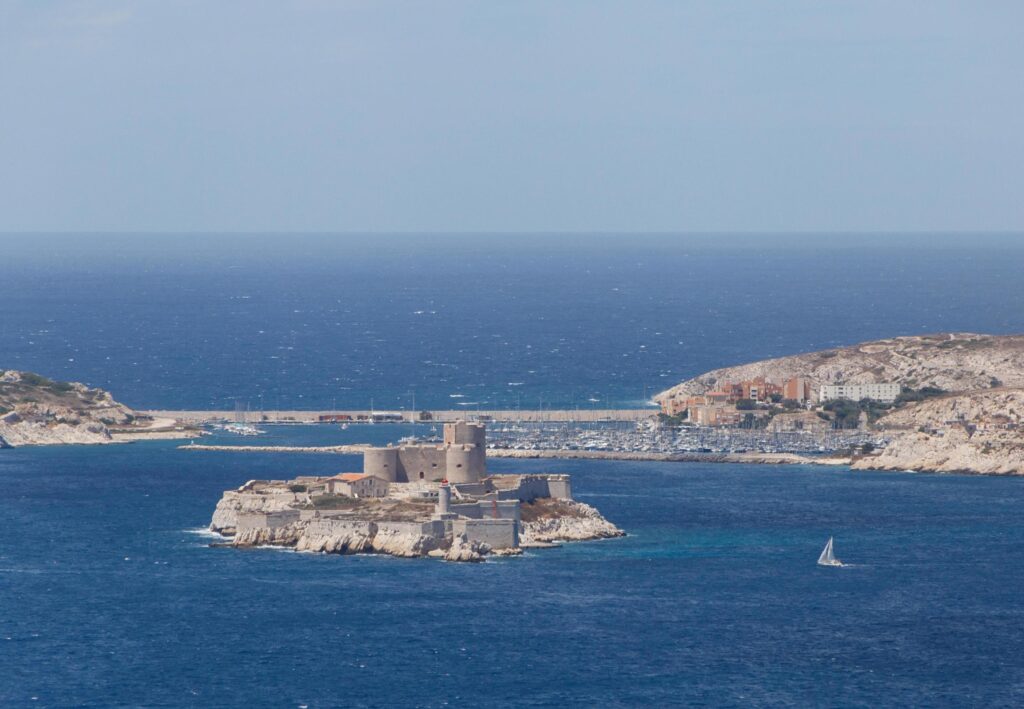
(357, 485)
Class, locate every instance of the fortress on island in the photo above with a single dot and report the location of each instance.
(420, 499)
(461, 458)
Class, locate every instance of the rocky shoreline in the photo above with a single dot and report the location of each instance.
(971, 422)
(974, 432)
(36, 411)
(288, 514)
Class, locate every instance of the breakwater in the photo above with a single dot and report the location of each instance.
(758, 458)
(526, 416)
(753, 458)
(345, 449)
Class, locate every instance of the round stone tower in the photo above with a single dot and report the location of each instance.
(382, 462)
(459, 463)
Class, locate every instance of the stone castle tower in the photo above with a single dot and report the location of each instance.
(461, 458)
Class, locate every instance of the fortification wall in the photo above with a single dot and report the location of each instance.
(496, 533)
(422, 463)
(384, 463)
(533, 486)
(462, 433)
(265, 520)
(488, 509)
(463, 464)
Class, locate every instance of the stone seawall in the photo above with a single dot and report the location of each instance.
(756, 458)
(439, 416)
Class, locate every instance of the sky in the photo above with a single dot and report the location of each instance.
(511, 116)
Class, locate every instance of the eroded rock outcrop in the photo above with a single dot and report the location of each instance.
(235, 502)
(550, 520)
(977, 432)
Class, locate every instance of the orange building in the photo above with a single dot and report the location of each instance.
(797, 389)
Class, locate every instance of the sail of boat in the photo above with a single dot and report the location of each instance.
(827, 557)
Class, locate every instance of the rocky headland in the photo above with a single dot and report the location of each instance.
(954, 362)
(973, 432)
(971, 420)
(37, 411)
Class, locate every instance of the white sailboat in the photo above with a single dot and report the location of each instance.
(827, 558)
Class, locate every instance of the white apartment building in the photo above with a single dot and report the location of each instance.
(886, 392)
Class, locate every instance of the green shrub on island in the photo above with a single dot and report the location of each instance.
(298, 488)
(910, 396)
(676, 420)
(845, 413)
(752, 422)
(334, 502)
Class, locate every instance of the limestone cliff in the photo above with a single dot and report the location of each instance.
(976, 427)
(35, 410)
(978, 432)
(235, 502)
(548, 520)
(951, 361)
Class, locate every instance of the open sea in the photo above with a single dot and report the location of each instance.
(111, 596)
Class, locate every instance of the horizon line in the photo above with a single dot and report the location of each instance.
(482, 232)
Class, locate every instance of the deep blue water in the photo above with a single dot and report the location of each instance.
(474, 321)
(109, 598)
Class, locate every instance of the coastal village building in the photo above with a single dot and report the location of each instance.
(718, 408)
(797, 389)
(886, 392)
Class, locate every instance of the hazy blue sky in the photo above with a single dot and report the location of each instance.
(511, 116)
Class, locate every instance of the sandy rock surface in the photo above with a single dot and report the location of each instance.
(575, 521)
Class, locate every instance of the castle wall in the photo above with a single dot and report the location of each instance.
(429, 460)
(497, 533)
(462, 433)
(485, 509)
(265, 520)
(533, 486)
(383, 463)
(463, 464)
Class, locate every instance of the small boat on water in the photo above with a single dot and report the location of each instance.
(242, 429)
(828, 558)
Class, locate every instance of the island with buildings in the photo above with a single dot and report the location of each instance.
(415, 500)
(951, 402)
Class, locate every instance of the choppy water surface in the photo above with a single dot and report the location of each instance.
(110, 595)
(472, 321)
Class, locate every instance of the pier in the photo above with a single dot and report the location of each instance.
(525, 416)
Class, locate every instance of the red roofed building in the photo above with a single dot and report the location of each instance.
(357, 485)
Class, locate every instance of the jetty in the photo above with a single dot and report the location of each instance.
(378, 416)
(343, 449)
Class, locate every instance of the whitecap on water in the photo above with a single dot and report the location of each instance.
(204, 532)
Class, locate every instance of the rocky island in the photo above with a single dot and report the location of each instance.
(951, 402)
(37, 411)
(415, 500)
